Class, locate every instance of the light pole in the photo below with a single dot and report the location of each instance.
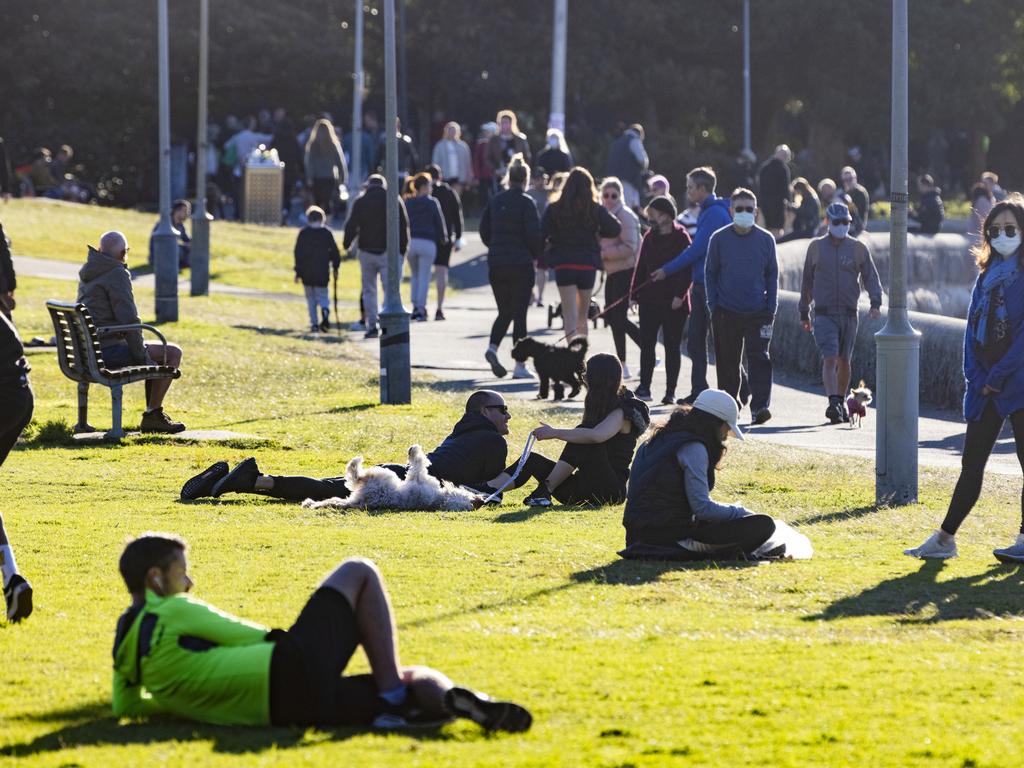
(556, 118)
(200, 257)
(357, 104)
(746, 76)
(165, 237)
(395, 374)
(898, 345)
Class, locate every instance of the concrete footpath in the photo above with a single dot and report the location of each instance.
(453, 351)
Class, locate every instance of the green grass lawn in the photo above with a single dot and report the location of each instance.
(859, 657)
(246, 255)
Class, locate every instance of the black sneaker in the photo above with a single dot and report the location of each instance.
(373, 333)
(158, 421)
(843, 413)
(833, 414)
(496, 367)
(18, 595)
(439, 315)
(491, 715)
(541, 497)
(643, 393)
(241, 479)
(669, 399)
(762, 416)
(690, 399)
(202, 484)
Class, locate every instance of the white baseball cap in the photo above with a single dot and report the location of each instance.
(720, 404)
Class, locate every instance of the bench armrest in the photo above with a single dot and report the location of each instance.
(135, 327)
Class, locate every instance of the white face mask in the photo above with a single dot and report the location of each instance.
(743, 220)
(1006, 245)
(838, 231)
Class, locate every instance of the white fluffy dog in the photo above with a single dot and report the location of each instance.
(380, 488)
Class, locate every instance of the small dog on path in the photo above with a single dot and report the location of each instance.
(555, 366)
(857, 404)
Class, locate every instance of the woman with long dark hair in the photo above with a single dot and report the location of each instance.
(669, 509)
(593, 468)
(994, 370)
(618, 255)
(325, 164)
(806, 213)
(572, 227)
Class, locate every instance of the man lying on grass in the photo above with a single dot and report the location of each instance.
(471, 455)
(174, 654)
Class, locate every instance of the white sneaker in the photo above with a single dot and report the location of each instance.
(625, 372)
(934, 549)
(521, 372)
(1013, 553)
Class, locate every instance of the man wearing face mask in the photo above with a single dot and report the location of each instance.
(741, 277)
(835, 266)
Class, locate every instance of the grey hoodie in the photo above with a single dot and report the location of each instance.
(105, 287)
(834, 271)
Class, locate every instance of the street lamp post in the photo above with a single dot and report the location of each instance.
(165, 237)
(395, 373)
(746, 76)
(556, 118)
(898, 344)
(355, 172)
(200, 257)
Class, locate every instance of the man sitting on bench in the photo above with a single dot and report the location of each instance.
(176, 655)
(105, 288)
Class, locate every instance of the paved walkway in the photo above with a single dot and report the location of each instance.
(452, 351)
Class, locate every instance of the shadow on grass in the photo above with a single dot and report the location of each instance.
(520, 515)
(647, 571)
(334, 336)
(919, 598)
(840, 515)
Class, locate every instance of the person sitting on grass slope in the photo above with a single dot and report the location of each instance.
(176, 655)
(593, 468)
(472, 454)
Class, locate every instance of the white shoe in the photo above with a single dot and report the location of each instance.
(625, 372)
(1013, 553)
(934, 549)
(521, 372)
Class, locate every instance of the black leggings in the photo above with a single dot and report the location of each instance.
(978, 444)
(745, 534)
(512, 285)
(301, 488)
(655, 317)
(15, 416)
(594, 481)
(616, 286)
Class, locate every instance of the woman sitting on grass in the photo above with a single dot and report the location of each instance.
(669, 511)
(593, 468)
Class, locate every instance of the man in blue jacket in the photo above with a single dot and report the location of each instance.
(742, 283)
(714, 214)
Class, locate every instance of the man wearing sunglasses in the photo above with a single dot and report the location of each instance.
(834, 268)
(741, 277)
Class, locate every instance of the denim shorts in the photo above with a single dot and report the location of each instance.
(117, 355)
(835, 335)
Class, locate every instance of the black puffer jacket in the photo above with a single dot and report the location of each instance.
(473, 453)
(315, 254)
(510, 228)
(369, 222)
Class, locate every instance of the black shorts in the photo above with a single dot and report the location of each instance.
(444, 255)
(583, 279)
(306, 684)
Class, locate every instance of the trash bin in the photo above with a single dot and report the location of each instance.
(262, 193)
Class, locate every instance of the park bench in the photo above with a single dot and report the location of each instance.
(80, 358)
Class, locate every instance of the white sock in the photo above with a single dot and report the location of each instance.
(7, 564)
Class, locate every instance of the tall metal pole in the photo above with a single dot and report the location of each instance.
(200, 258)
(403, 79)
(898, 345)
(395, 374)
(556, 118)
(357, 103)
(165, 237)
(746, 75)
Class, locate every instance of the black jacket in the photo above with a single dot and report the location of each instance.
(553, 160)
(451, 209)
(369, 222)
(13, 366)
(8, 281)
(315, 254)
(473, 453)
(579, 246)
(930, 212)
(510, 228)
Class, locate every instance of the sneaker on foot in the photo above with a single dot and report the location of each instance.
(158, 421)
(439, 315)
(496, 367)
(669, 399)
(373, 333)
(314, 328)
(359, 325)
(625, 372)
(541, 497)
(491, 715)
(521, 372)
(833, 414)
(933, 548)
(241, 479)
(1013, 553)
(762, 416)
(690, 399)
(202, 484)
(643, 393)
(18, 595)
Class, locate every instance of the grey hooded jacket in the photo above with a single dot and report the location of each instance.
(105, 287)
(834, 272)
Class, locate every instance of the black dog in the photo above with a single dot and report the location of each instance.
(554, 364)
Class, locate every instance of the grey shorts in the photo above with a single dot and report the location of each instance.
(835, 334)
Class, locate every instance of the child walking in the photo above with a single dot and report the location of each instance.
(315, 253)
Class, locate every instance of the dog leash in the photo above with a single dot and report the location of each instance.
(614, 304)
(519, 468)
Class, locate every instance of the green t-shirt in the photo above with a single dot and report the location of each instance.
(178, 655)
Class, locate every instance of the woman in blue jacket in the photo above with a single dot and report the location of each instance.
(994, 369)
(427, 233)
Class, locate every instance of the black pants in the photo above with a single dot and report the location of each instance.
(323, 193)
(656, 317)
(978, 444)
(742, 535)
(697, 338)
(616, 286)
(594, 481)
(512, 285)
(297, 488)
(734, 335)
(14, 417)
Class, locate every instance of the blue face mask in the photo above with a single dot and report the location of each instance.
(743, 220)
(838, 231)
